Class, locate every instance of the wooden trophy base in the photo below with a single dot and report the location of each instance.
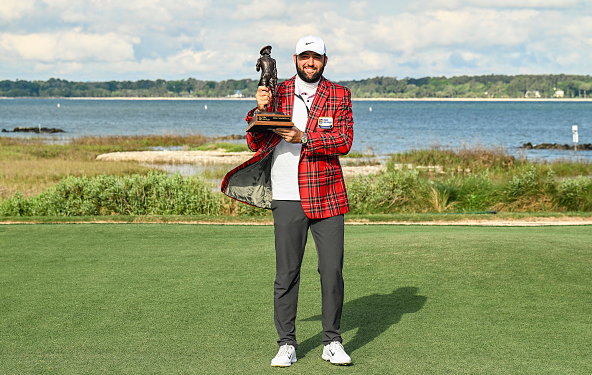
(267, 121)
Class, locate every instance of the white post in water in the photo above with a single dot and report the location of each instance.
(574, 130)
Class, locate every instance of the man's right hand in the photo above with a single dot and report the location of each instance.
(263, 97)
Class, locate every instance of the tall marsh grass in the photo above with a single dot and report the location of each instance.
(461, 160)
(30, 166)
(153, 194)
(42, 179)
(469, 180)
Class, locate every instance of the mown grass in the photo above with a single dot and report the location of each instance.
(191, 299)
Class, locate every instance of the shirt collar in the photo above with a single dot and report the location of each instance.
(306, 89)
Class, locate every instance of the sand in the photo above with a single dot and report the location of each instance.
(212, 158)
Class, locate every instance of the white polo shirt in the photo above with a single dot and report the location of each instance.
(286, 156)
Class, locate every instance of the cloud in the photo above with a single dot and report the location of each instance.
(15, 9)
(73, 46)
(481, 28)
(111, 39)
(260, 10)
(358, 8)
(365, 60)
(184, 62)
(130, 16)
(498, 4)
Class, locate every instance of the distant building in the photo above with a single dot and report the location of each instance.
(532, 94)
(559, 94)
(237, 94)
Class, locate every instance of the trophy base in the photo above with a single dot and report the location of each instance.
(267, 121)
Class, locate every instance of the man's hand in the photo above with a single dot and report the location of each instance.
(291, 135)
(263, 97)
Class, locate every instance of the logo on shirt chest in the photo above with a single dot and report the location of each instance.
(326, 123)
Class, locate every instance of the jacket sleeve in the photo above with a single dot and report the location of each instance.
(339, 139)
(255, 140)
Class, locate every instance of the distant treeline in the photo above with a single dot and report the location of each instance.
(488, 86)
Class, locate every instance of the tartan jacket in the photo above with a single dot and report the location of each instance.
(320, 180)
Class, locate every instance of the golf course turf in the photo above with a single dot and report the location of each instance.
(197, 299)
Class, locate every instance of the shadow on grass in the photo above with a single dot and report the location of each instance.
(372, 315)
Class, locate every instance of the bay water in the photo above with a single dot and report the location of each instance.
(380, 126)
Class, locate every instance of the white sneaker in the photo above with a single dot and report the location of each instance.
(335, 354)
(285, 356)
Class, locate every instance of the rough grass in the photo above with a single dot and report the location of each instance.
(419, 181)
(32, 166)
(478, 159)
(226, 146)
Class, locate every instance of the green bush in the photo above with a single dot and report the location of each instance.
(405, 190)
(530, 190)
(16, 206)
(442, 195)
(394, 191)
(476, 192)
(73, 196)
(153, 194)
(466, 181)
(575, 194)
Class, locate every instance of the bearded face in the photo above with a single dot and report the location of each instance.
(310, 66)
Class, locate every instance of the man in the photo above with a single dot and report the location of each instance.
(296, 172)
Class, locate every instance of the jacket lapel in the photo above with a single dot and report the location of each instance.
(316, 109)
(288, 97)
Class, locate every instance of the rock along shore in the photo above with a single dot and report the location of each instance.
(33, 129)
(556, 146)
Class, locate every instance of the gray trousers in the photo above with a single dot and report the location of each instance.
(291, 232)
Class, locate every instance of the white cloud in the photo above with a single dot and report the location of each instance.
(525, 3)
(113, 39)
(15, 9)
(73, 46)
(364, 60)
(358, 8)
(129, 16)
(497, 4)
(260, 10)
(481, 28)
(185, 62)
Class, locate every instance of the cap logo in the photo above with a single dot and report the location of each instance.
(307, 43)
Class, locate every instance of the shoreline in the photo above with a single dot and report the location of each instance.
(545, 100)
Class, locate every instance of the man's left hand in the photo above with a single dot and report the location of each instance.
(291, 135)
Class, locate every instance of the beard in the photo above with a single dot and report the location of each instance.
(312, 79)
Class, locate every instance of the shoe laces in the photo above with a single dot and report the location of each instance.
(283, 350)
(336, 345)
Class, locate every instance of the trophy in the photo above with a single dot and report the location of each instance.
(266, 121)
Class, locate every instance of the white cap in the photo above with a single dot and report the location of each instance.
(311, 43)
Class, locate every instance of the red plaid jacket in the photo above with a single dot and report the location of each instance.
(320, 180)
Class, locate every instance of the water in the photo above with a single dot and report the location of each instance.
(390, 127)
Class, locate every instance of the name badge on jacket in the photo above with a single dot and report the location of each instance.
(326, 122)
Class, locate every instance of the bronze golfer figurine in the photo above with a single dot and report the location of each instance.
(266, 121)
(266, 64)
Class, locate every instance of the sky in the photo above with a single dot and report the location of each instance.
(102, 40)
